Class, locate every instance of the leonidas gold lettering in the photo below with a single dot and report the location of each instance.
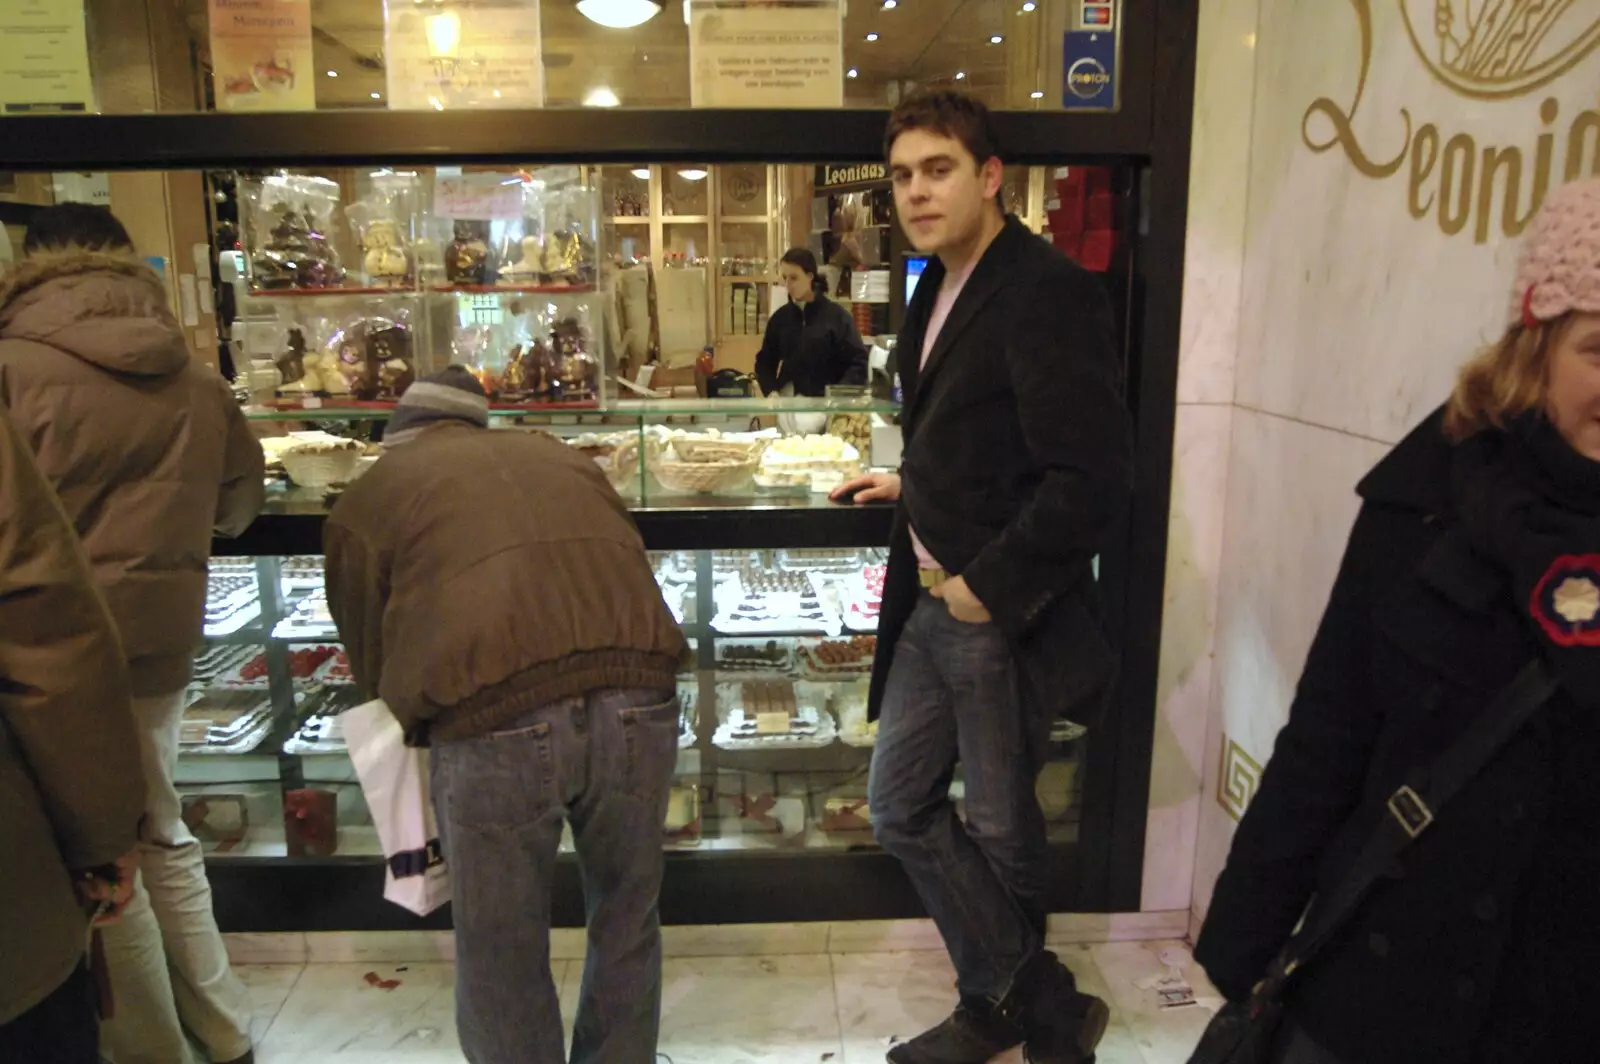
(1451, 177)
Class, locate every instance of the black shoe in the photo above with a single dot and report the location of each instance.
(1061, 1024)
(974, 1034)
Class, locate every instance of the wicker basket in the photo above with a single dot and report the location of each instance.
(318, 469)
(716, 449)
(622, 468)
(703, 477)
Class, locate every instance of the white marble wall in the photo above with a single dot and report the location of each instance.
(1213, 279)
(1322, 320)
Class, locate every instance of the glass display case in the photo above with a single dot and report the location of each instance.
(356, 282)
(777, 590)
(774, 748)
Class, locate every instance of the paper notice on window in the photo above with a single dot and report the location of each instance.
(453, 53)
(261, 55)
(44, 58)
(478, 197)
(766, 53)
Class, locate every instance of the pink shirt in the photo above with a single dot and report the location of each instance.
(949, 291)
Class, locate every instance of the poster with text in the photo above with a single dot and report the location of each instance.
(766, 53)
(44, 57)
(458, 54)
(261, 57)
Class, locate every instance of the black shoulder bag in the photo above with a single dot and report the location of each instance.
(1245, 1033)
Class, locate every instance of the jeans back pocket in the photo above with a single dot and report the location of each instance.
(649, 748)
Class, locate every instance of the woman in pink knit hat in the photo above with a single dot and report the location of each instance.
(1432, 808)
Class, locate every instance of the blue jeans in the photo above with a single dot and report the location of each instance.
(605, 762)
(953, 696)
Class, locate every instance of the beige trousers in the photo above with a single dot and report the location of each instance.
(169, 971)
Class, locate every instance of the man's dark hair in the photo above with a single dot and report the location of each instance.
(76, 225)
(949, 113)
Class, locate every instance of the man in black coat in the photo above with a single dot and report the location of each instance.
(1015, 473)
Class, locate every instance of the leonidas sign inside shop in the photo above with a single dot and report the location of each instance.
(261, 55)
(765, 53)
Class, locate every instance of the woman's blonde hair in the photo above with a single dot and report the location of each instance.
(1507, 379)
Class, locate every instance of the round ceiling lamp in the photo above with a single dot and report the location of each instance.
(619, 14)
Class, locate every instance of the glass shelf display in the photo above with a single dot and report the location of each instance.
(782, 451)
(774, 741)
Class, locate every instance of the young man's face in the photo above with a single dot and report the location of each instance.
(941, 192)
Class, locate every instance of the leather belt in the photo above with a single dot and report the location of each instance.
(932, 578)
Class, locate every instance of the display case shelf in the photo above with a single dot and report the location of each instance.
(327, 293)
(516, 289)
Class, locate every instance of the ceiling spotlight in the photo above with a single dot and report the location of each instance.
(377, 96)
(641, 172)
(333, 73)
(692, 174)
(890, 5)
(961, 75)
(996, 39)
(601, 96)
(619, 14)
(1028, 7)
(872, 36)
(1037, 95)
(852, 73)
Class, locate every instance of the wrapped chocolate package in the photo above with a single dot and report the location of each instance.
(366, 354)
(384, 224)
(467, 260)
(289, 244)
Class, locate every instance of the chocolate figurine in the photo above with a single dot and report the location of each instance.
(387, 259)
(292, 362)
(466, 261)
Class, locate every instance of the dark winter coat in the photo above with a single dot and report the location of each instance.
(1017, 462)
(1440, 963)
(811, 345)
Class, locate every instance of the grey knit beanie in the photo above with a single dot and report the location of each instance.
(452, 394)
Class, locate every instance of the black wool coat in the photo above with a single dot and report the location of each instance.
(1419, 634)
(1017, 462)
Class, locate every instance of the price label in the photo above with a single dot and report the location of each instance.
(772, 723)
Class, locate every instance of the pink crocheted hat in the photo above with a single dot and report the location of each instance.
(1560, 268)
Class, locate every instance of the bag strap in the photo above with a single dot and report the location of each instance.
(1411, 810)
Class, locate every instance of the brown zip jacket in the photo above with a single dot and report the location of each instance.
(476, 574)
(71, 784)
(146, 447)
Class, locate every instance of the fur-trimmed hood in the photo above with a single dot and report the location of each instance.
(106, 308)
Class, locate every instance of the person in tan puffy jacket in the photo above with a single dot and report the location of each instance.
(150, 456)
(71, 787)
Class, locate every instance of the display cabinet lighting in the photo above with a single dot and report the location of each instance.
(619, 14)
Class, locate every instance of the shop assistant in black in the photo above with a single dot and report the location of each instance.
(811, 342)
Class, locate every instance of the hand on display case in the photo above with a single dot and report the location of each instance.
(870, 487)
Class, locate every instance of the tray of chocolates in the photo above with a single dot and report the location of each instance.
(225, 723)
(776, 714)
(774, 655)
(832, 659)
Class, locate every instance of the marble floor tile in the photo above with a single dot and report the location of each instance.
(749, 1010)
(1165, 1036)
(333, 1016)
(270, 986)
